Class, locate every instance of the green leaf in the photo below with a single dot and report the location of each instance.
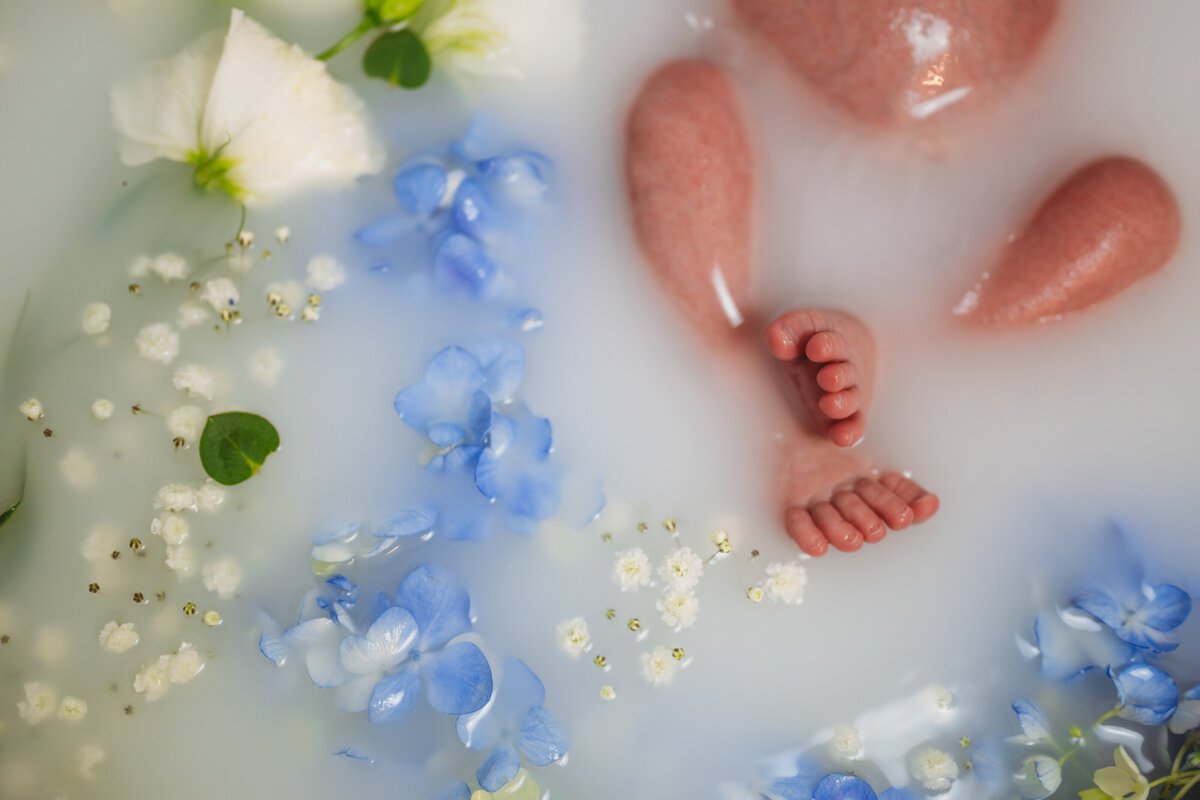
(400, 58)
(235, 444)
(7, 515)
(392, 11)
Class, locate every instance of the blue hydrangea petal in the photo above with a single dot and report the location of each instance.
(476, 142)
(488, 474)
(1147, 694)
(459, 791)
(342, 533)
(459, 678)
(420, 188)
(460, 461)
(394, 696)
(525, 174)
(324, 663)
(454, 373)
(439, 606)
(1187, 714)
(503, 363)
(386, 644)
(384, 231)
(479, 415)
(539, 436)
(1166, 608)
(446, 434)
(897, 793)
(1032, 720)
(499, 768)
(517, 691)
(1068, 653)
(461, 265)
(836, 786)
(525, 320)
(521, 524)
(347, 590)
(418, 405)
(354, 695)
(541, 738)
(409, 522)
(474, 213)
(355, 754)
(1101, 605)
(1038, 777)
(468, 522)
(272, 646)
(536, 494)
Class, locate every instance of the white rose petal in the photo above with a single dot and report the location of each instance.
(223, 577)
(118, 638)
(158, 342)
(659, 666)
(96, 318)
(78, 470)
(220, 293)
(40, 702)
(573, 636)
(102, 409)
(631, 570)
(196, 380)
(186, 422)
(935, 769)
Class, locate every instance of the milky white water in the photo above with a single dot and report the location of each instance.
(1032, 439)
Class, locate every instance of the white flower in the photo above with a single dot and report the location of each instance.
(631, 570)
(170, 267)
(220, 293)
(935, 769)
(176, 497)
(72, 708)
(39, 703)
(90, 757)
(140, 268)
(153, 679)
(682, 569)
(325, 273)
(679, 608)
(282, 234)
(185, 664)
(118, 638)
(78, 469)
(181, 560)
(32, 409)
(186, 422)
(608, 693)
(266, 365)
(254, 115)
(210, 496)
(659, 666)
(211, 618)
(101, 543)
(102, 409)
(196, 380)
(173, 528)
(191, 314)
(310, 314)
(846, 742)
(223, 577)
(573, 636)
(512, 38)
(158, 342)
(755, 594)
(96, 317)
(940, 697)
(785, 582)
(52, 645)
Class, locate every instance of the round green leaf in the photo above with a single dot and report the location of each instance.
(235, 444)
(400, 58)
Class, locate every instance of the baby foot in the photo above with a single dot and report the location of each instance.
(833, 497)
(828, 358)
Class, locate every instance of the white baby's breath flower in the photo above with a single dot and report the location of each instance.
(265, 366)
(282, 234)
(118, 638)
(679, 608)
(935, 769)
(755, 594)
(186, 422)
(940, 697)
(90, 757)
(310, 314)
(72, 708)
(211, 618)
(140, 268)
(191, 314)
(32, 409)
(196, 380)
(52, 645)
(254, 115)
(682, 569)
(325, 273)
(158, 342)
(220, 293)
(173, 528)
(846, 743)
(573, 636)
(608, 693)
(631, 570)
(170, 267)
(223, 577)
(102, 409)
(78, 469)
(153, 679)
(210, 496)
(40, 702)
(96, 318)
(100, 544)
(181, 560)
(184, 664)
(659, 666)
(786, 581)
(176, 497)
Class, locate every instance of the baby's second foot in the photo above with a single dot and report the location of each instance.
(828, 358)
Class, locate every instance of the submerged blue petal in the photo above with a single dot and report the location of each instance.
(410, 522)
(439, 606)
(1101, 605)
(535, 494)
(454, 373)
(1147, 694)
(517, 691)
(459, 791)
(355, 754)
(503, 364)
(499, 768)
(420, 188)
(460, 461)
(383, 231)
(1032, 720)
(897, 793)
(541, 738)
(475, 142)
(273, 648)
(394, 696)
(836, 786)
(1167, 606)
(524, 173)
(1068, 652)
(525, 319)
(459, 678)
(446, 434)
(474, 213)
(461, 265)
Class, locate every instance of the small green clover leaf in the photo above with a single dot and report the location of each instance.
(400, 58)
(234, 446)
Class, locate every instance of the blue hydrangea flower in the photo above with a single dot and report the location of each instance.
(1147, 619)
(449, 404)
(1147, 694)
(513, 468)
(1187, 714)
(836, 786)
(1071, 643)
(1038, 777)
(514, 723)
(1033, 722)
(525, 175)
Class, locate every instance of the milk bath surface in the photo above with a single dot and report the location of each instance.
(1036, 440)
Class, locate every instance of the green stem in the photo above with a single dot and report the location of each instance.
(1067, 756)
(1184, 789)
(364, 27)
(241, 224)
(1187, 745)
(1106, 717)
(1175, 777)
